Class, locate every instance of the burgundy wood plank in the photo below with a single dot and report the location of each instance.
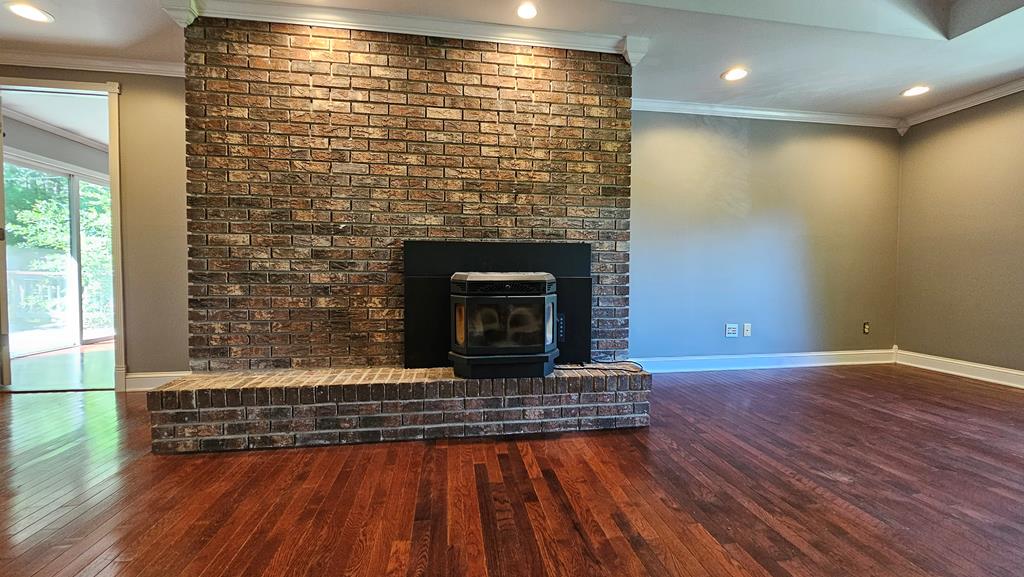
(875, 470)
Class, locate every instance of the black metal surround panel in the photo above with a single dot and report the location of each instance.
(429, 266)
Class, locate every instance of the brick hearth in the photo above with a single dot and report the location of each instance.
(240, 410)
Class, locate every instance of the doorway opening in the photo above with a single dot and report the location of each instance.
(59, 239)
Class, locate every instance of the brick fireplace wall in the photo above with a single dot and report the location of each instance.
(314, 152)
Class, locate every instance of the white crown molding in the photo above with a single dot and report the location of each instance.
(72, 62)
(765, 361)
(902, 125)
(184, 12)
(676, 107)
(989, 373)
(967, 102)
(53, 129)
(295, 13)
(634, 48)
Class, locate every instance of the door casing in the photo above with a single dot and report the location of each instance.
(113, 91)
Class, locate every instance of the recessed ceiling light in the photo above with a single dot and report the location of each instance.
(527, 10)
(734, 74)
(30, 12)
(916, 90)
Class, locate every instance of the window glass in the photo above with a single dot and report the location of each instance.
(97, 260)
(42, 275)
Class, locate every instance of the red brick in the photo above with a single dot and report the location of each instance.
(331, 146)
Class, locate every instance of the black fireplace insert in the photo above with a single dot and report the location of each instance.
(503, 324)
(429, 266)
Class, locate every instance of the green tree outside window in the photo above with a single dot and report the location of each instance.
(38, 217)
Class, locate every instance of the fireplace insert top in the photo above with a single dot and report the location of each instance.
(503, 283)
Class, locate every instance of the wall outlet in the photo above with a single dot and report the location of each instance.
(732, 330)
(748, 329)
(867, 328)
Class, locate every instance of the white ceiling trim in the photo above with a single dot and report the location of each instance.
(634, 48)
(53, 129)
(290, 13)
(967, 102)
(900, 124)
(677, 107)
(72, 62)
(182, 11)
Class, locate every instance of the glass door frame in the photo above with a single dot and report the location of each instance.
(112, 91)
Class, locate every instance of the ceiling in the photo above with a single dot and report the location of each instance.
(78, 114)
(836, 56)
(133, 29)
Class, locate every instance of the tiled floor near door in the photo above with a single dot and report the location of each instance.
(89, 367)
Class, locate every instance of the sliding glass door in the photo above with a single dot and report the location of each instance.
(96, 258)
(59, 264)
(42, 275)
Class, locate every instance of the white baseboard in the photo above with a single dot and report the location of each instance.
(136, 382)
(765, 361)
(990, 373)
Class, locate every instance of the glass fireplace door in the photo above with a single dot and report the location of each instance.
(509, 325)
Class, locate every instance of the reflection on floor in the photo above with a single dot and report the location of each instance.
(881, 471)
(88, 367)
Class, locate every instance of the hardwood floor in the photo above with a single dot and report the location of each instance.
(858, 471)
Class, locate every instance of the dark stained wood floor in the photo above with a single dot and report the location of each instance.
(854, 471)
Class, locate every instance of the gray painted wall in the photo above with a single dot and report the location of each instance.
(789, 226)
(31, 139)
(961, 242)
(153, 213)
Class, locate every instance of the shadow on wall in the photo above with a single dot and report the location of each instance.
(767, 223)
